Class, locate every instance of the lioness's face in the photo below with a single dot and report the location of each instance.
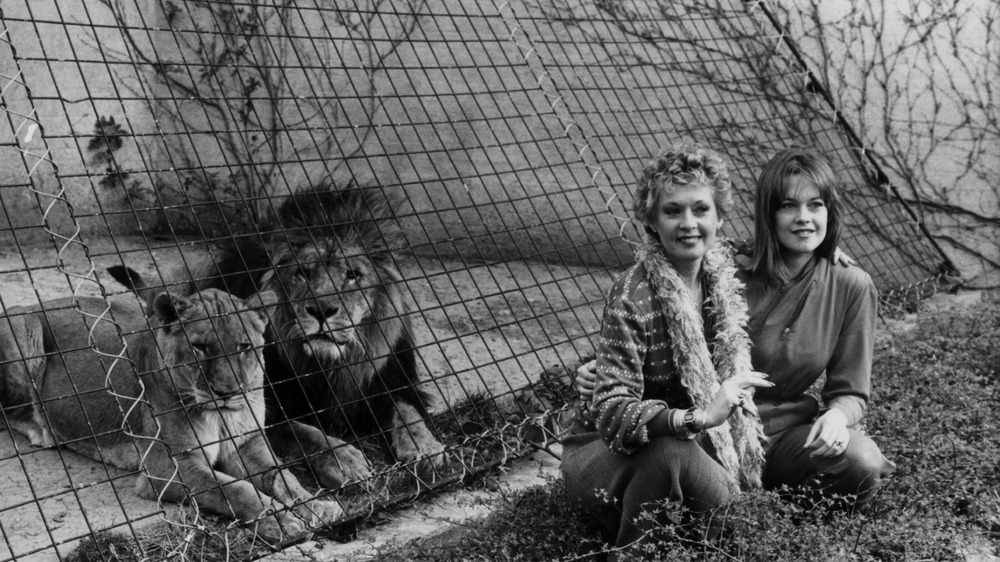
(329, 294)
(212, 344)
(229, 359)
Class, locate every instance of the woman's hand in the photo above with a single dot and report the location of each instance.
(735, 391)
(829, 435)
(586, 380)
(840, 258)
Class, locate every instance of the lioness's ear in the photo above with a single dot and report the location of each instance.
(262, 303)
(168, 308)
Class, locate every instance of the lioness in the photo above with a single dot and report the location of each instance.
(194, 414)
(343, 364)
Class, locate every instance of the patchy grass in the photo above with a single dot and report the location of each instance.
(535, 524)
(167, 541)
(935, 402)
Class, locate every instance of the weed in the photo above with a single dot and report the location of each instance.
(106, 546)
(934, 412)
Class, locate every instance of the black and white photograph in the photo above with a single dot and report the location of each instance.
(499, 280)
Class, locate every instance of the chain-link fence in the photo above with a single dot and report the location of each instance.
(424, 200)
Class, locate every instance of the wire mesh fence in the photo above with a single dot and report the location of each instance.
(435, 195)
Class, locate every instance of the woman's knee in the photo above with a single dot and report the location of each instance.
(681, 471)
(866, 466)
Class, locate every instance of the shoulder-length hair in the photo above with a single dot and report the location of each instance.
(682, 164)
(772, 189)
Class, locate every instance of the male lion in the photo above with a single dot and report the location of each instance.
(343, 363)
(201, 375)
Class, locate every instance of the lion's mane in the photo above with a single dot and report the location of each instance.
(353, 392)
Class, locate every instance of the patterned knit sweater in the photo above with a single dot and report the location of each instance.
(643, 370)
(636, 378)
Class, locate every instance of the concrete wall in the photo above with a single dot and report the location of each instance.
(460, 129)
(927, 107)
(513, 130)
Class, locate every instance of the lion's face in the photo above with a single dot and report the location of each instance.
(212, 346)
(328, 297)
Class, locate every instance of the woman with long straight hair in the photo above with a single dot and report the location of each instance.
(810, 318)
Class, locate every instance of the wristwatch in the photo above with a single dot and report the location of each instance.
(688, 420)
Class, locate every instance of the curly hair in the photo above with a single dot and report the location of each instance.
(682, 164)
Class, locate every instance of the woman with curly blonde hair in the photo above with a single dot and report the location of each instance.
(671, 416)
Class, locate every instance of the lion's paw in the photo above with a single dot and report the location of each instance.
(318, 512)
(341, 465)
(413, 441)
(281, 527)
(422, 447)
(42, 438)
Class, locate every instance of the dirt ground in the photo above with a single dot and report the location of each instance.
(479, 328)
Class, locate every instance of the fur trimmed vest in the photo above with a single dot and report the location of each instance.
(738, 440)
(637, 365)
